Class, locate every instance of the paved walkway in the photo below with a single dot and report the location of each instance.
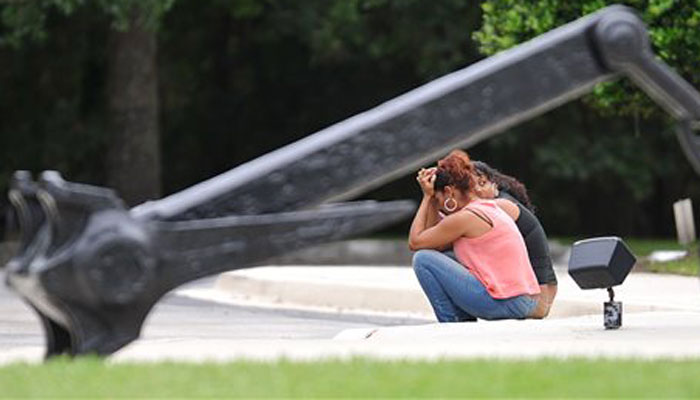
(668, 335)
(395, 290)
(661, 320)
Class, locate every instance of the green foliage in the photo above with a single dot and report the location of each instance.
(673, 29)
(611, 163)
(434, 37)
(27, 19)
(120, 10)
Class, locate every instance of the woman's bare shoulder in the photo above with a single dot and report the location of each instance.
(464, 217)
(459, 217)
(509, 207)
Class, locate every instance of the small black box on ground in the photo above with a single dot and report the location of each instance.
(600, 263)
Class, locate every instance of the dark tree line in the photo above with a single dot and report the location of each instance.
(198, 87)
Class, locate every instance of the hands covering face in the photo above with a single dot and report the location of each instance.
(426, 180)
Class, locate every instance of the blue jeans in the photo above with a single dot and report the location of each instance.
(456, 295)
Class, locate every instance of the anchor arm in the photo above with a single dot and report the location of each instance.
(198, 248)
(624, 44)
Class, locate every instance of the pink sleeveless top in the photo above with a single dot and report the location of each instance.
(499, 257)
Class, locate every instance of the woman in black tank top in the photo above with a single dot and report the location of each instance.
(490, 184)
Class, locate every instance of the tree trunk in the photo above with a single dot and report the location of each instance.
(133, 159)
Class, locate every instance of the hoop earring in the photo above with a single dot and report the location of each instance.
(448, 208)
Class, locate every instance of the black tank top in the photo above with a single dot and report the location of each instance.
(535, 241)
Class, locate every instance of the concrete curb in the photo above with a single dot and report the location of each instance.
(384, 252)
(385, 290)
(395, 291)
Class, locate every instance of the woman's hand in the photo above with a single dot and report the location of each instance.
(426, 180)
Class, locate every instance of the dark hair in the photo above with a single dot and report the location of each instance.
(456, 170)
(505, 183)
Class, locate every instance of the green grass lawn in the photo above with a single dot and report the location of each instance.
(643, 247)
(92, 378)
(685, 266)
(639, 246)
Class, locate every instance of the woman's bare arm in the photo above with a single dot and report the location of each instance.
(544, 301)
(433, 216)
(439, 236)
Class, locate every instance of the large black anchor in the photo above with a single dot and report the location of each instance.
(93, 269)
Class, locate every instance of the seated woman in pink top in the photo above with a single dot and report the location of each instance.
(492, 277)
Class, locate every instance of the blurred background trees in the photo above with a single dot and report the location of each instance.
(115, 72)
(140, 95)
(612, 155)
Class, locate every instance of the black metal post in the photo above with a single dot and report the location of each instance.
(612, 312)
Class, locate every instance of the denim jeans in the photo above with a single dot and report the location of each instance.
(456, 295)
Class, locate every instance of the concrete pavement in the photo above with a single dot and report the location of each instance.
(667, 335)
(395, 291)
(185, 327)
(661, 320)
(656, 335)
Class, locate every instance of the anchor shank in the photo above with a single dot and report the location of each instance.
(369, 149)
